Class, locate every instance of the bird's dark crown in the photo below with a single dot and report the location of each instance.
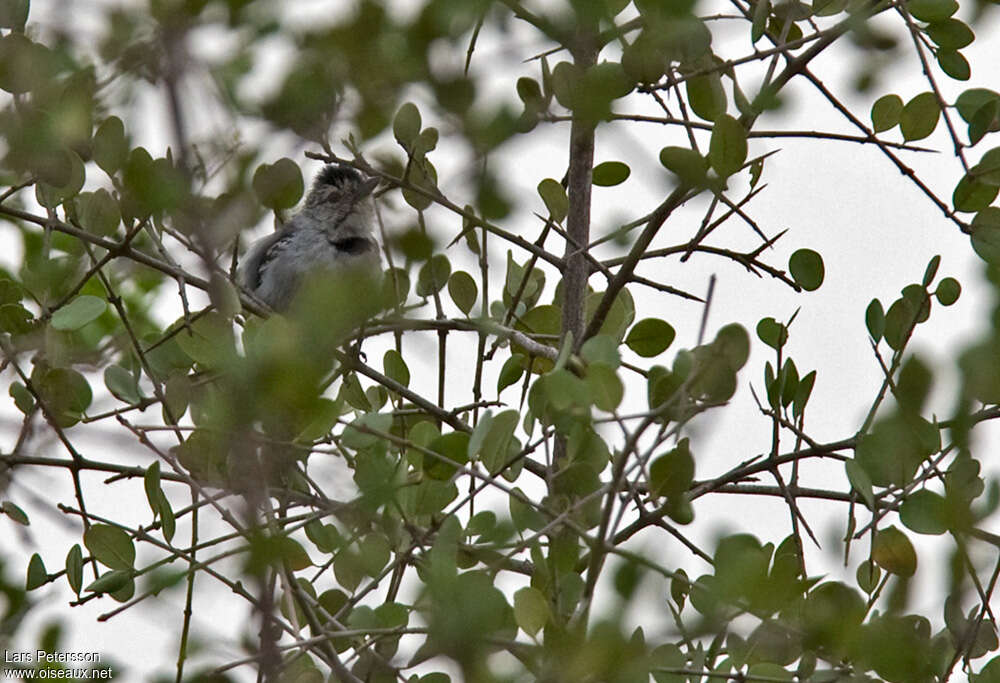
(337, 176)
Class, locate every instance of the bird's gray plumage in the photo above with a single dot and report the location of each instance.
(333, 231)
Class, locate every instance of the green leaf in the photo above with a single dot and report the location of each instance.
(110, 582)
(463, 290)
(110, 145)
(278, 185)
(151, 484)
(122, 384)
(689, 166)
(806, 267)
(706, 96)
(803, 392)
(37, 576)
(531, 610)
(925, 512)
(971, 195)
(110, 546)
(860, 481)
(893, 551)
(601, 348)
(14, 14)
(98, 212)
(15, 513)
(453, 451)
(761, 13)
(23, 399)
(406, 125)
(672, 473)
(168, 522)
(867, 576)
(650, 337)
(511, 372)
(554, 195)
(919, 117)
(953, 63)
(66, 394)
(950, 34)
(78, 312)
(875, 319)
(74, 568)
(728, 147)
(611, 173)
(500, 444)
(606, 389)
(395, 367)
(886, 112)
(52, 193)
(932, 10)
(772, 333)
(948, 291)
(433, 275)
(987, 171)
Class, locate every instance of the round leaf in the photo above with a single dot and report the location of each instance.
(531, 610)
(806, 267)
(925, 512)
(278, 185)
(433, 275)
(948, 291)
(893, 551)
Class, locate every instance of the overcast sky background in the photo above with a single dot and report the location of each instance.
(874, 229)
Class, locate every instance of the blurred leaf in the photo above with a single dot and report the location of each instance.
(110, 145)
(672, 473)
(14, 14)
(554, 196)
(531, 610)
(925, 512)
(728, 148)
(278, 185)
(98, 212)
(606, 389)
(78, 312)
(406, 125)
(893, 551)
(433, 275)
(706, 97)
(689, 166)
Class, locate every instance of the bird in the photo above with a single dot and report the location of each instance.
(333, 232)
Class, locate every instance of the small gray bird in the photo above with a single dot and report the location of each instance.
(333, 231)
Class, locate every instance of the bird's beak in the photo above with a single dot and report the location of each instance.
(367, 187)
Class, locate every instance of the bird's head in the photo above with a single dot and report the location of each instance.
(338, 197)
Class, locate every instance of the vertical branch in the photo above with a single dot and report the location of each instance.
(581, 164)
